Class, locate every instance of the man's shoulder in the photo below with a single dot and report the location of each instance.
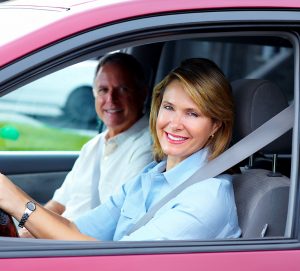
(94, 142)
(139, 135)
(141, 139)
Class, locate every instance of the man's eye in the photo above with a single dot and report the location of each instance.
(102, 90)
(123, 89)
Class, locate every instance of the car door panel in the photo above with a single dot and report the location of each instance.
(33, 171)
(32, 183)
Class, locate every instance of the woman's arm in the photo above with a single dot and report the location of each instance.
(42, 223)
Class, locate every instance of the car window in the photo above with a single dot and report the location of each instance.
(239, 57)
(242, 57)
(55, 112)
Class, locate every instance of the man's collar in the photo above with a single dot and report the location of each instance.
(139, 125)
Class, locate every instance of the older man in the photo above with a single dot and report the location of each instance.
(111, 158)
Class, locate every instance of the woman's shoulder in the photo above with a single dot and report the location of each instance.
(210, 187)
(146, 170)
(224, 177)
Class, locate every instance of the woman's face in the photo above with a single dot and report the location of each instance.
(181, 127)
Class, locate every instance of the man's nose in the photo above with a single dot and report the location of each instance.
(112, 95)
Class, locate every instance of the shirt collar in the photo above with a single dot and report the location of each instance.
(187, 167)
(134, 129)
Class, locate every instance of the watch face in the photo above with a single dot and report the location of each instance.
(30, 205)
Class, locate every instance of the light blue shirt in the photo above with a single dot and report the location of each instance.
(205, 210)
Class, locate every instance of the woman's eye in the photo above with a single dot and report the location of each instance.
(193, 114)
(168, 107)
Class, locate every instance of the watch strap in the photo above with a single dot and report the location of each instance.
(30, 207)
(23, 220)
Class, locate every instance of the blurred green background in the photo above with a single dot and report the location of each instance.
(25, 137)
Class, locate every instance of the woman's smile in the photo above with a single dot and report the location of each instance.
(175, 139)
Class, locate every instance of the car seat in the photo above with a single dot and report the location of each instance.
(261, 195)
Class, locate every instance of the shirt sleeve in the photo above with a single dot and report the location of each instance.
(203, 211)
(75, 178)
(61, 194)
(101, 222)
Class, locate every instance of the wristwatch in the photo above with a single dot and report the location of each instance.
(30, 207)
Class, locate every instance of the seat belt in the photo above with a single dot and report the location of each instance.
(262, 136)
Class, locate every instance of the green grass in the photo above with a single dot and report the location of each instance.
(23, 137)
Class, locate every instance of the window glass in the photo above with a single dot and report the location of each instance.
(244, 57)
(268, 58)
(55, 112)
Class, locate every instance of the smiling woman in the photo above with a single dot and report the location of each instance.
(210, 109)
(181, 127)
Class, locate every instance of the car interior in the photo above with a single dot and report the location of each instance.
(262, 87)
(261, 70)
(261, 192)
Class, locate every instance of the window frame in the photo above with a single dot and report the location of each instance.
(137, 32)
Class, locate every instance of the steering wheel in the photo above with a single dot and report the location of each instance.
(7, 225)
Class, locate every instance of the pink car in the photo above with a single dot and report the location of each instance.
(256, 44)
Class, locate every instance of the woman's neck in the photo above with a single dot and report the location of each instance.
(173, 161)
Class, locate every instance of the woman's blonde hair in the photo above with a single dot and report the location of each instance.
(207, 86)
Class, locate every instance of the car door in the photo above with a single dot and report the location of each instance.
(246, 44)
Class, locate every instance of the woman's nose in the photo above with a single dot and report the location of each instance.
(176, 122)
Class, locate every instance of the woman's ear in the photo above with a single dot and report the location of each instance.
(216, 125)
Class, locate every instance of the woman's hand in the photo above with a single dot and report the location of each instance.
(24, 233)
(12, 199)
(42, 223)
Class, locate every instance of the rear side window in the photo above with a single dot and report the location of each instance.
(55, 112)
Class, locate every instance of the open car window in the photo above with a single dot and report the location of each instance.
(55, 112)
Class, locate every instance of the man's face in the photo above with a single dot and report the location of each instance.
(118, 101)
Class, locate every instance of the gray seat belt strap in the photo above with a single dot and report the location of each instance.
(262, 136)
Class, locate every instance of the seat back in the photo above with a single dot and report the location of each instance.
(261, 198)
(262, 203)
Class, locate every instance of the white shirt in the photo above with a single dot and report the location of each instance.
(103, 166)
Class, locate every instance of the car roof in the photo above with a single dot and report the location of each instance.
(35, 23)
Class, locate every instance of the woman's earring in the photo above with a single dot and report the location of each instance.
(212, 135)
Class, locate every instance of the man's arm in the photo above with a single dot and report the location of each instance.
(55, 207)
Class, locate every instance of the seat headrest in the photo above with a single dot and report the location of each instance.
(257, 101)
